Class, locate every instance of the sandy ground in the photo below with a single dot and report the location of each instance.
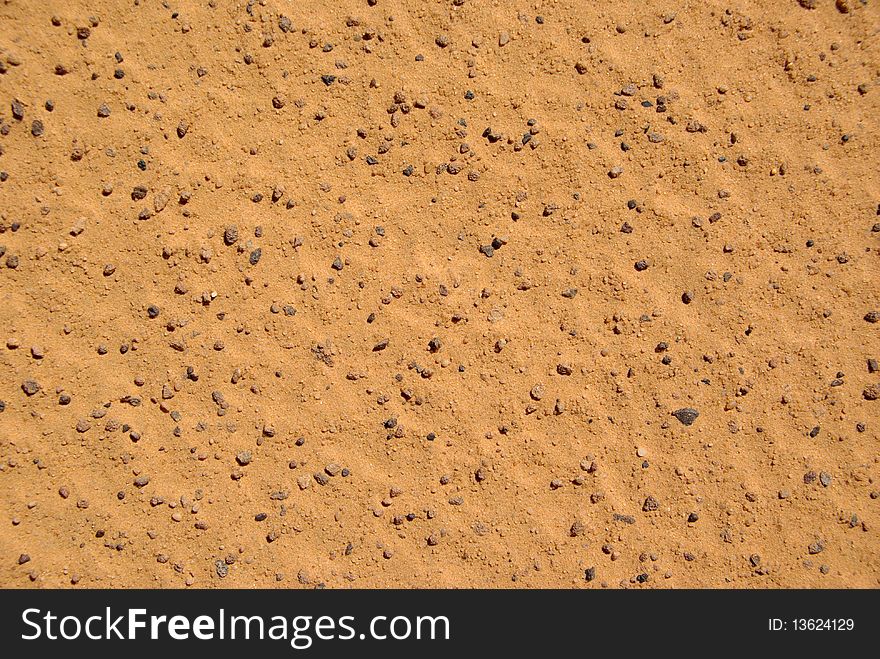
(427, 293)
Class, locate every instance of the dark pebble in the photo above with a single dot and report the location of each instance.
(687, 415)
(17, 109)
(230, 235)
(30, 387)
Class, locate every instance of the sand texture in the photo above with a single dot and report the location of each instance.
(439, 293)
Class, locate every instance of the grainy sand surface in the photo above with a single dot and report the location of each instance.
(439, 293)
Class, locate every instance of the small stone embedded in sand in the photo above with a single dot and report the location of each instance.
(160, 200)
(230, 235)
(244, 458)
(17, 109)
(537, 392)
(687, 415)
(30, 387)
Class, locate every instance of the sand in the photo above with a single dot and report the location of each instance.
(439, 294)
